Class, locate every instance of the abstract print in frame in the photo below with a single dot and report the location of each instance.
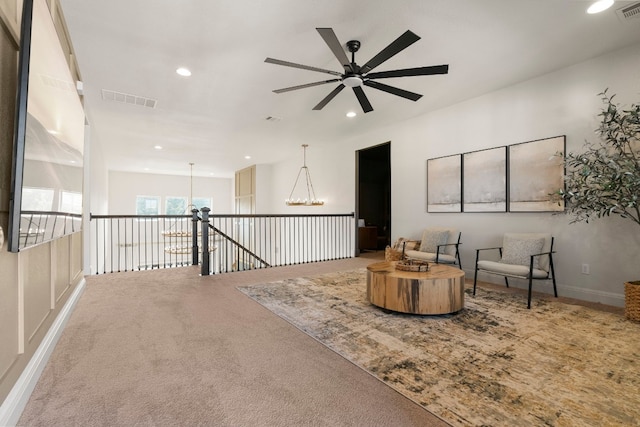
(536, 172)
(444, 184)
(484, 177)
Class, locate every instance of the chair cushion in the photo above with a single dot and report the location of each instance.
(543, 260)
(432, 237)
(518, 250)
(430, 256)
(454, 237)
(510, 269)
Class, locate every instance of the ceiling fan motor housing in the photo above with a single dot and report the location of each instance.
(353, 45)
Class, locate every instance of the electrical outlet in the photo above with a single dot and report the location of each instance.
(585, 268)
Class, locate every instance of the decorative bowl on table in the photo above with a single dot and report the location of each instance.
(412, 265)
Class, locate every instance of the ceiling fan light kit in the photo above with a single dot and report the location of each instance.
(356, 76)
(352, 81)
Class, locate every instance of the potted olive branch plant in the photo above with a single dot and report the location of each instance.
(604, 180)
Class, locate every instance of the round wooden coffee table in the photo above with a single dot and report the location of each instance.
(437, 291)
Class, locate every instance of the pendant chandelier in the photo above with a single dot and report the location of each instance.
(310, 200)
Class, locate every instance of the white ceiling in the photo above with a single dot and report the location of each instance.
(218, 115)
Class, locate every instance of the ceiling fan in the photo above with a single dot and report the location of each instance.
(355, 76)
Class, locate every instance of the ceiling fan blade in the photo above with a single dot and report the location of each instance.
(408, 72)
(304, 67)
(398, 45)
(329, 97)
(332, 41)
(362, 99)
(393, 90)
(287, 89)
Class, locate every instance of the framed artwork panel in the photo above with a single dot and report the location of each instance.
(484, 178)
(536, 172)
(444, 184)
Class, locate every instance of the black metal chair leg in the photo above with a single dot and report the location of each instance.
(506, 280)
(530, 281)
(475, 277)
(553, 276)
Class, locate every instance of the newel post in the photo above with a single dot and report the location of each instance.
(194, 237)
(204, 271)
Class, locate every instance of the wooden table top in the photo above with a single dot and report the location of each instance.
(436, 271)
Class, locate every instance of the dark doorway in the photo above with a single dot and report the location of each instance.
(373, 196)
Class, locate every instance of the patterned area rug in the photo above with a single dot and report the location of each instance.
(493, 363)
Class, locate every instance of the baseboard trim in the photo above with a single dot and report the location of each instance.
(576, 292)
(593, 295)
(14, 404)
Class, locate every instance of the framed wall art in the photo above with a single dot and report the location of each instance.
(484, 180)
(444, 184)
(536, 172)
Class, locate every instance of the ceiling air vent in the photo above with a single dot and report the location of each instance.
(629, 12)
(126, 98)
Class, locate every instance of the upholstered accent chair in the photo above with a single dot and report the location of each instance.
(526, 256)
(439, 245)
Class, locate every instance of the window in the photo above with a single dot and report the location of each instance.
(147, 205)
(37, 199)
(71, 202)
(175, 205)
(201, 202)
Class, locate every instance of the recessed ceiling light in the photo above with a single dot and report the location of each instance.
(157, 147)
(351, 114)
(184, 72)
(53, 132)
(599, 6)
(247, 157)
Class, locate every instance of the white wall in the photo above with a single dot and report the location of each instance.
(332, 174)
(98, 181)
(263, 201)
(564, 102)
(95, 196)
(125, 186)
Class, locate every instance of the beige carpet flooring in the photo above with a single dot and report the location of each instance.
(171, 348)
